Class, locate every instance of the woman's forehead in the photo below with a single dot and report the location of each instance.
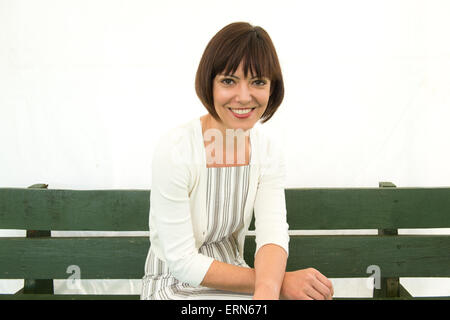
(252, 70)
(239, 75)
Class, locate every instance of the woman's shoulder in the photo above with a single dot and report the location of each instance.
(177, 142)
(267, 140)
(178, 135)
(181, 131)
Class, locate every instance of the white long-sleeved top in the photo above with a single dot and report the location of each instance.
(178, 211)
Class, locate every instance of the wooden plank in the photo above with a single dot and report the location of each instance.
(124, 257)
(43, 286)
(370, 208)
(308, 209)
(350, 256)
(389, 287)
(96, 258)
(87, 210)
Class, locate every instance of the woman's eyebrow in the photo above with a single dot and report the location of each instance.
(236, 77)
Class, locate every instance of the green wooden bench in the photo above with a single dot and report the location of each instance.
(38, 258)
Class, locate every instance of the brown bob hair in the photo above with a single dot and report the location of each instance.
(236, 42)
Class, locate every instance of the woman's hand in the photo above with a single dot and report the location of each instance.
(306, 284)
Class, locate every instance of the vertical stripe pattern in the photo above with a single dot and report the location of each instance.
(227, 189)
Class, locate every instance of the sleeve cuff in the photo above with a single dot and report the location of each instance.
(193, 270)
(282, 242)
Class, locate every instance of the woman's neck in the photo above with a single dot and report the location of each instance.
(230, 145)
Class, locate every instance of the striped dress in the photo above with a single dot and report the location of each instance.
(226, 195)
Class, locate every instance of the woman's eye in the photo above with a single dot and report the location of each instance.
(227, 81)
(260, 82)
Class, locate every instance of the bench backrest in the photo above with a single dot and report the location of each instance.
(308, 209)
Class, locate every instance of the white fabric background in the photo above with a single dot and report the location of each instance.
(87, 88)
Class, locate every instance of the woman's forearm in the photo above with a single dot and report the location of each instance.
(229, 277)
(264, 281)
(270, 267)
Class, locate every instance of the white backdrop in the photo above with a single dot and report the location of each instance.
(88, 87)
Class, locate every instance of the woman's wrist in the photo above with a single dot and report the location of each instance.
(283, 295)
(265, 291)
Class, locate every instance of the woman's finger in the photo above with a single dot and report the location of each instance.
(322, 289)
(324, 280)
(313, 293)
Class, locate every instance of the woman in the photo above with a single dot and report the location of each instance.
(209, 176)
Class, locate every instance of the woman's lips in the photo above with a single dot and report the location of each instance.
(242, 116)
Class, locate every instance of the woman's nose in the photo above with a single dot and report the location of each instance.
(243, 95)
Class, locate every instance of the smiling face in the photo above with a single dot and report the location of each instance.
(239, 93)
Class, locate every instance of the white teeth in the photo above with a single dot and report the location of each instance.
(241, 111)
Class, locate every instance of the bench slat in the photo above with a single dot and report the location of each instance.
(124, 257)
(83, 210)
(308, 209)
(349, 256)
(371, 208)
